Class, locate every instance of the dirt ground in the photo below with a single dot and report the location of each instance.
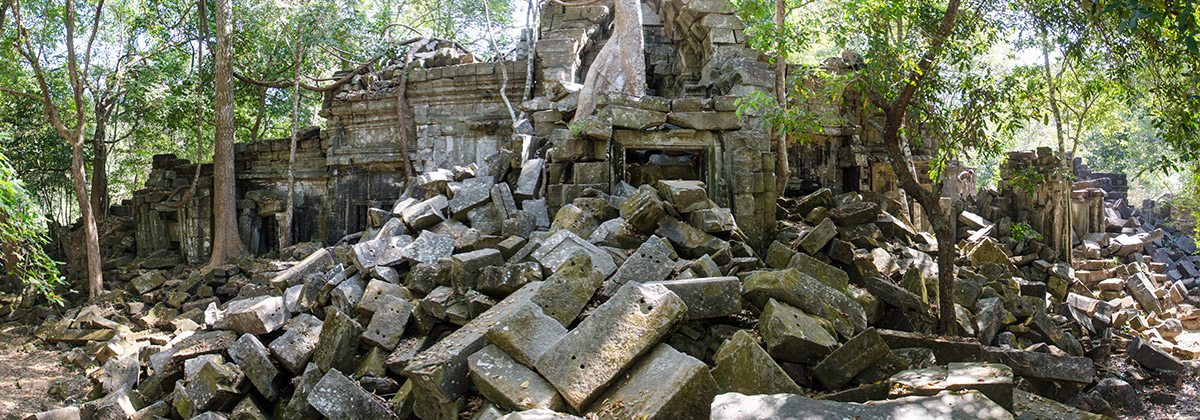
(32, 375)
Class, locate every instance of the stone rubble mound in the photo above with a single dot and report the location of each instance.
(465, 300)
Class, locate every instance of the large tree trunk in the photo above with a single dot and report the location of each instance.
(100, 162)
(782, 170)
(226, 242)
(291, 187)
(621, 64)
(91, 234)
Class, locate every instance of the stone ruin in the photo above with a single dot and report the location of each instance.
(635, 265)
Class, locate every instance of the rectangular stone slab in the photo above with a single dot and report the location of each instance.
(296, 345)
(709, 297)
(944, 406)
(441, 370)
(858, 354)
(1041, 365)
(509, 384)
(317, 262)
(339, 397)
(666, 384)
(591, 356)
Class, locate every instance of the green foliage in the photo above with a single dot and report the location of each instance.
(22, 236)
(796, 121)
(1021, 232)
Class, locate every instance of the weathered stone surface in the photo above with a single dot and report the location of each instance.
(501, 281)
(1150, 356)
(1120, 395)
(988, 251)
(530, 180)
(298, 407)
(1142, 288)
(944, 406)
(989, 320)
(539, 414)
(665, 384)
(991, 379)
(819, 270)
(255, 362)
(339, 398)
(147, 281)
(376, 252)
(441, 370)
(1037, 365)
(509, 384)
(632, 118)
(387, 325)
(566, 292)
(852, 358)
(215, 386)
(296, 345)
(708, 297)
(644, 209)
(855, 214)
(317, 262)
(743, 366)
(689, 241)
(972, 220)
(426, 213)
(428, 248)
(526, 334)
(892, 294)
(1030, 406)
(339, 337)
(473, 193)
(713, 220)
(792, 335)
(651, 262)
(471, 265)
(120, 372)
(818, 237)
(811, 296)
(376, 290)
(604, 344)
(945, 349)
(115, 406)
(347, 295)
(571, 217)
(559, 247)
(686, 196)
(258, 315)
(707, 121)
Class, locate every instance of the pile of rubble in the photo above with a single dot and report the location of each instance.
(645, 303)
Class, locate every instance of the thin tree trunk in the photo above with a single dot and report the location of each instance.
(291, 188)
(262, 109)
(782, 172)
(1062, 214)
(90, 232)
(227, 243)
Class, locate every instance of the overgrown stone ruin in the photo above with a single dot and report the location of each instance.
(636, 264)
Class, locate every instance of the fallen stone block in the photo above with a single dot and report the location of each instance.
(526, 334)
(315, 263)
(1030, 406)
(441, 370)
(294, 348)
(556, 249)
(743, 366)
(120, 372)
(339, 338)
(665, 384)
(539, 414)
(297, 407)
(792, 335)
(713, 220)
(387, 325)
(1150, 356)
(651, 262)
(147, 282)
(564, 294)
(818, 237)
(255, 362)
(1142, 288)
(819, 270)
(851, 359)
(945, 349)
(379, 252)
(689, 241)
(686, 196)
(606, 342)
(855, 214)
(1038, 365)
(428, 248)
(991, 379)
(945, 406)
(258, 315)
(117, 405)
(376, 290)
(500, 281)
(802, 291)
(509, 384)
(709, 297)
(473, 192)
(644, 209)
(471, 264)
(339, 398)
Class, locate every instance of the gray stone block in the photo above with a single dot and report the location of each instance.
(944, 406)
(558, 248)
(653, 261)
(709, 297)
(428, 248)
(255, 362)
(257, 315)
(790, 334)
(294, 348)
(338, 340)
(339, 398)
(852, 358)
(743, 366)
(526, 334)
(812, 296)
(991, 379)
(665, 384)
(566, 292)
(509, 384)
(603, 345)
(387, 325)
(818, 237)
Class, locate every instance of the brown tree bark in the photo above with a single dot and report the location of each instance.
(902, 164)
(291, 187)
(782, 170)
(227, 243)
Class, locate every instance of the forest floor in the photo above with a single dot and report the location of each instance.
(33, 377)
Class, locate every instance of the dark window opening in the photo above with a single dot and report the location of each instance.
(851, 180)
(358, 220)
(268, 237)
(647, 166)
